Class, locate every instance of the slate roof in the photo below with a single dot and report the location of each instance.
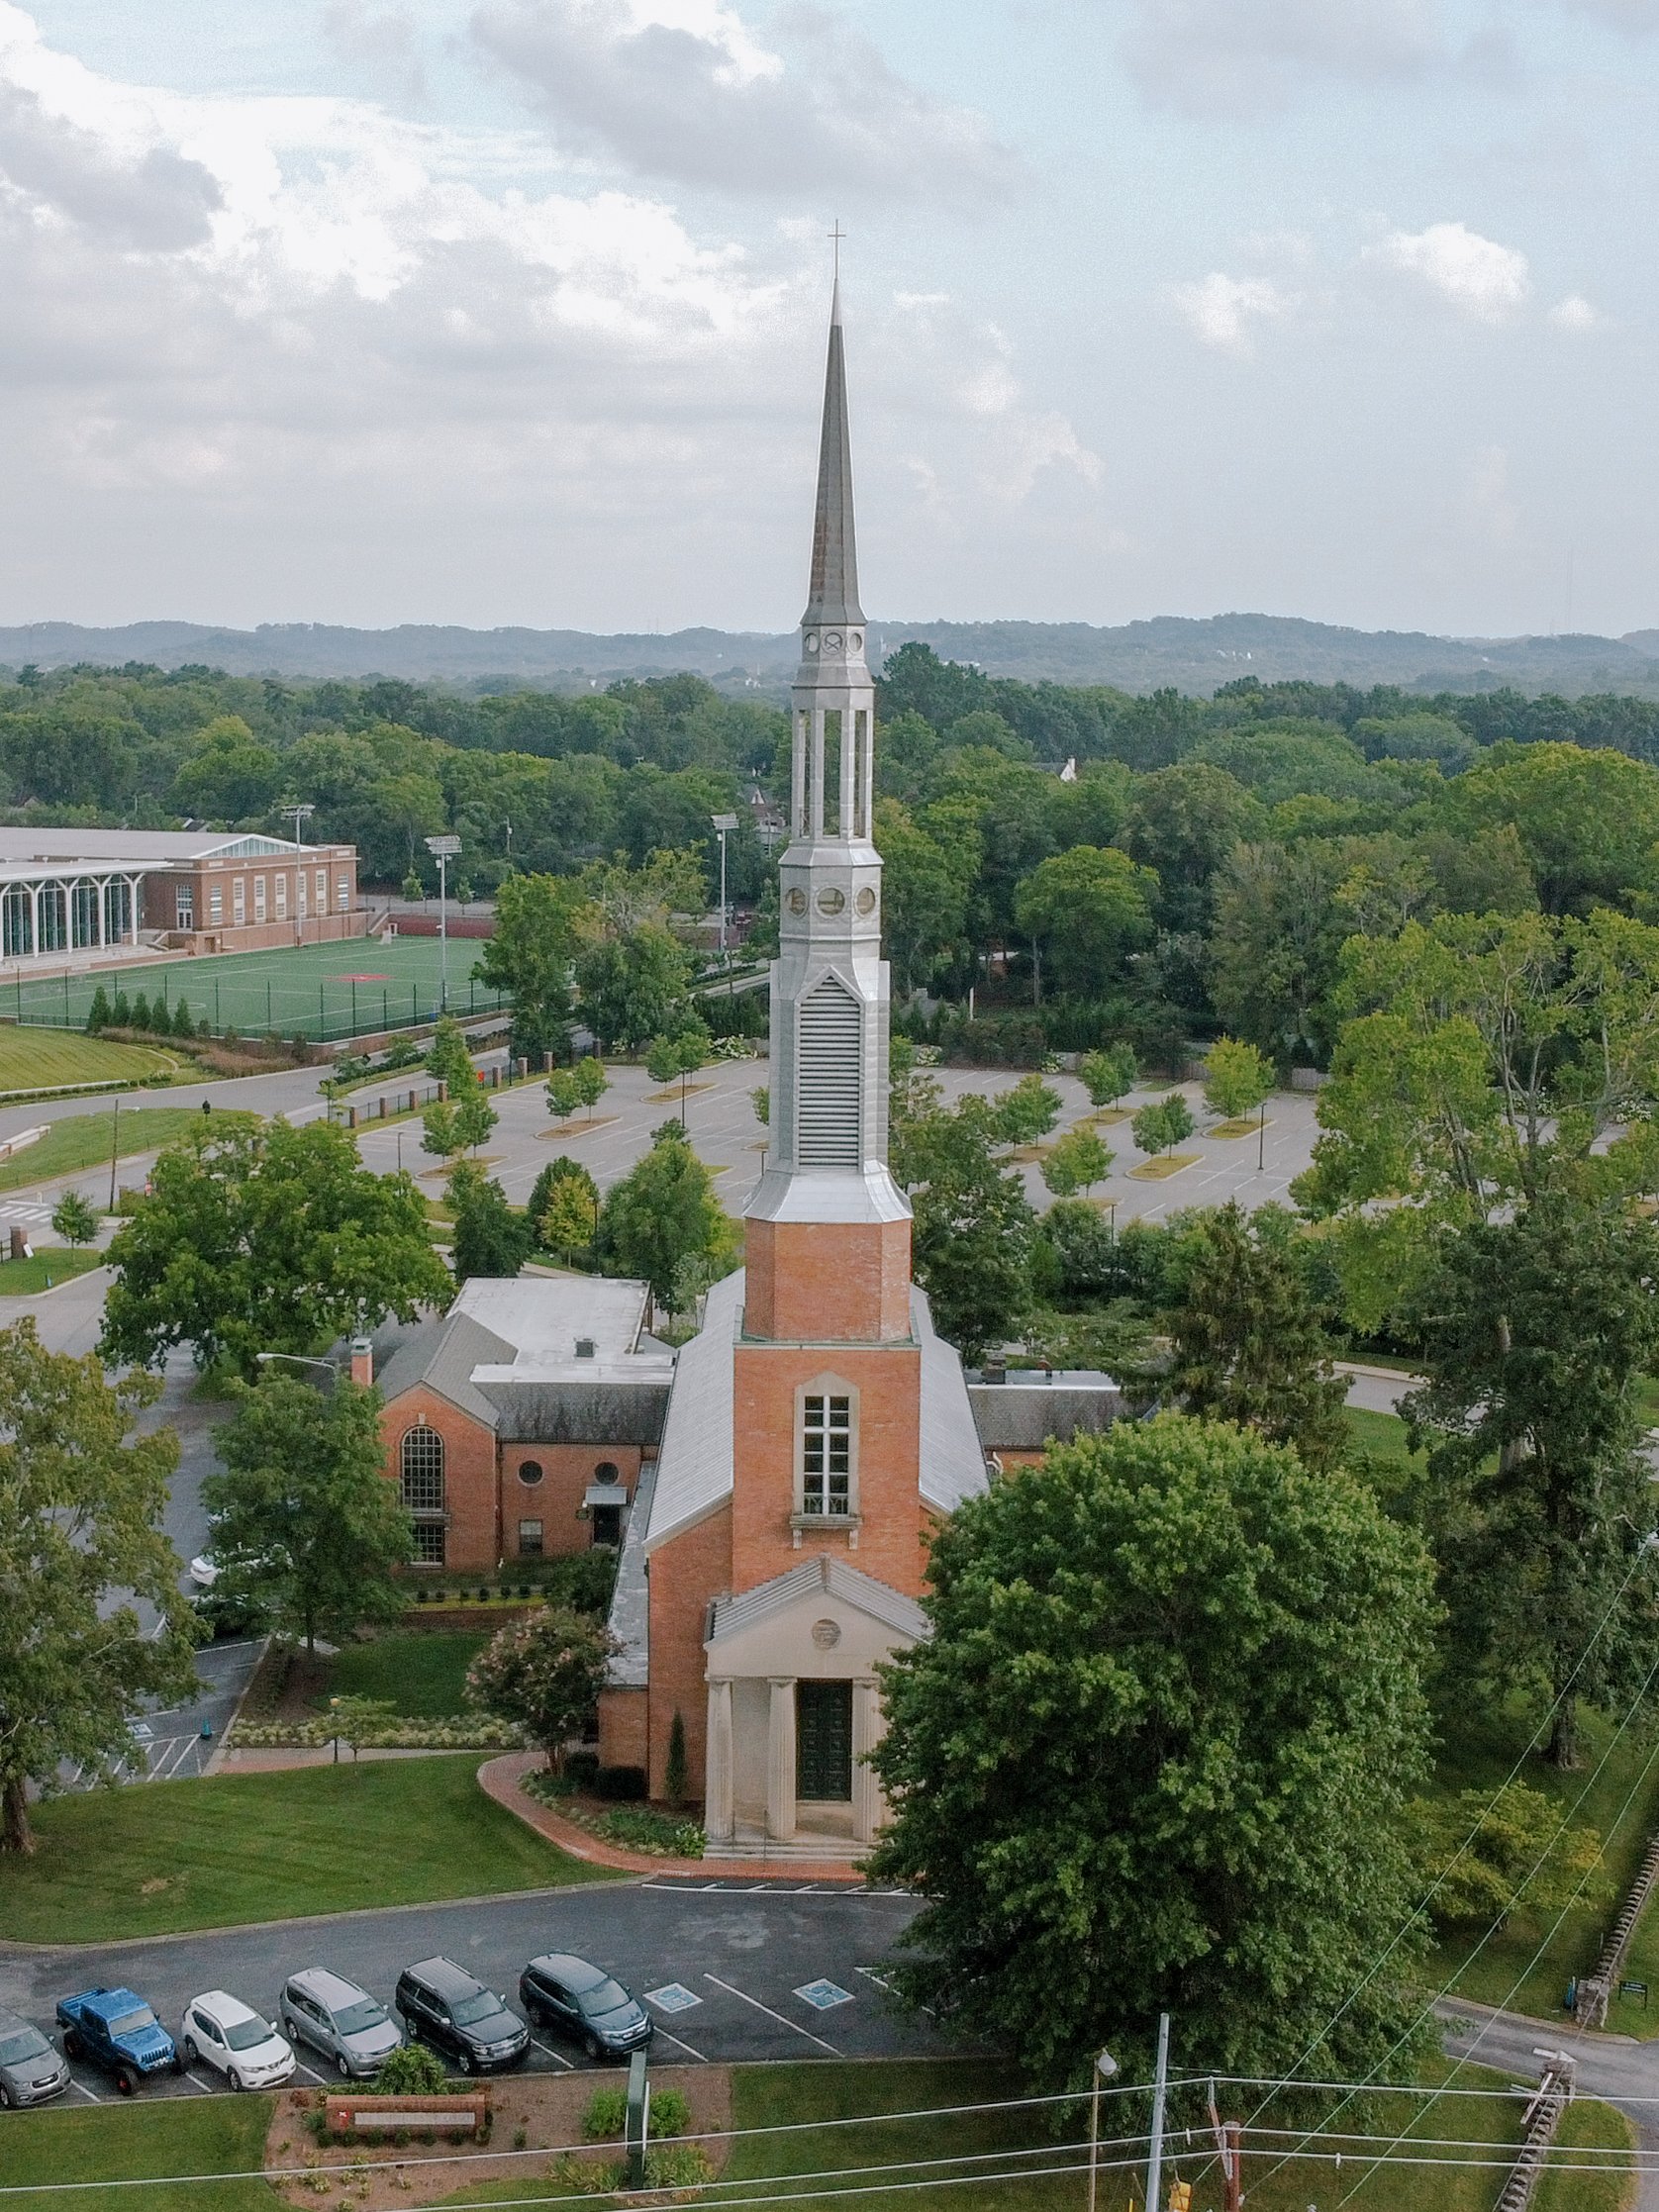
(1022, 1413)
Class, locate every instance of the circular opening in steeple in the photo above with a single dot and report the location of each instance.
(832, 901)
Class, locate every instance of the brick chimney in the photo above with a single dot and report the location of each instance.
(362, 1362)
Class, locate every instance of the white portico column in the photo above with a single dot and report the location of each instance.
(780, 1761)
(869, 1725)
(33, 917)
(717, 1765)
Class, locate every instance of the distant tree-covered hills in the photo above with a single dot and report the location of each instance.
(1170, 650)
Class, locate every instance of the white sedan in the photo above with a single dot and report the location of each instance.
(221, 2031)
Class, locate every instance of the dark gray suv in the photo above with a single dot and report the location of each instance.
(338, 2019)
(445, 2005)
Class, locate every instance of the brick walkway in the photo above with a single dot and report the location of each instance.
(501, 1779)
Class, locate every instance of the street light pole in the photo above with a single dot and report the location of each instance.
(443, 850)
(1160, 2086)
(1261, 1138)
(722, 823)
(1103, 2068)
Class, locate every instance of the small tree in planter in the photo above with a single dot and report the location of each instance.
(543, 1674)
(73, 1219)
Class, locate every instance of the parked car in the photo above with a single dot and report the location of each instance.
(445, 2005)
(230, 2036)
(117, 2031)
(336, 2018)
(30, 2069)
(558, 1992)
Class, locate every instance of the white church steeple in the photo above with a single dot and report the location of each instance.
(827, 1156)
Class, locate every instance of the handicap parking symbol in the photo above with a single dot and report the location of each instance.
(822, 1995)
(673, 1996)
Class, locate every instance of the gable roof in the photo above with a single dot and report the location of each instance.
(833, 1577)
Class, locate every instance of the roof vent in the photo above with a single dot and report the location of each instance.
(995, 1368)
(584, 1347)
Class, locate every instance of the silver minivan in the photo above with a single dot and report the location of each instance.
(31, 2068)
(336, 2018)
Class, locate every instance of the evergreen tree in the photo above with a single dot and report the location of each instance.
(1248, 1345)
(121, 1014)
(183, 1025)
(140, 1012)
(98, 1015)
(675, 1779)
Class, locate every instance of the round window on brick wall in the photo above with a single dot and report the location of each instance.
(529, 1471)
(607, 1472)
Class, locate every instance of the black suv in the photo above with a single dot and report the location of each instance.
(445, 2005)
(563, 1992)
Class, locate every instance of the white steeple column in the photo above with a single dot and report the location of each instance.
(826, 1158)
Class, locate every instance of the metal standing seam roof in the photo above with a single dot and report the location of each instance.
(631, 1606)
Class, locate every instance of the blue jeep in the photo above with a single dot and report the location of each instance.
(115, 2030)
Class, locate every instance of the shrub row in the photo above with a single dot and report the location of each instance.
(467, 1732)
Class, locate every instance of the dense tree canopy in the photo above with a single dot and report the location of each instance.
(1156, 1754)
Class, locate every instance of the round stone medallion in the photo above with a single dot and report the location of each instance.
(827, 1634)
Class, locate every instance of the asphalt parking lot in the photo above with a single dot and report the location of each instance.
(730, 1970)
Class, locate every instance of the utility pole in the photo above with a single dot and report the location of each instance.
(1103, 2068)
(1261, 1138)
(115, 1147)
(1160, 2087)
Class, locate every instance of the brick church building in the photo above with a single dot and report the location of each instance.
(772, 1486)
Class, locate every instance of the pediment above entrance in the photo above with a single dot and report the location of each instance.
(820, 1618)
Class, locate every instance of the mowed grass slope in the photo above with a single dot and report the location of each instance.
(423, 1675)
(242, 1848)
(57, 1059)
(84, 1141)
(133, 2141)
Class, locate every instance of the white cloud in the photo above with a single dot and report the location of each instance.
(1484, 279)
(1576, 313)
(1221, 309)
(379, 41)
(1230, 57)
(681, 89)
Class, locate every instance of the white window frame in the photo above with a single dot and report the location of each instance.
(343, 891)
(819, 1392)
(239, 902)
(282, 898)
(322, 891)
(258, 898)
(216, 902)
(302, 884)
(184, 905)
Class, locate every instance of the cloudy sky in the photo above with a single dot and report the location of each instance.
(511, 310)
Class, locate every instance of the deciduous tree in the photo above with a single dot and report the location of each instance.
(661, 1212)
(1088, 908)
(1106, 1075)
(543, 1674)
(73, 1219)
(1078, 1160)
(536, 938)
(973, 1231)
(1236, 1078)
(1154, 1755)
(307, 1525)
(266, 1238)
(81, 1497)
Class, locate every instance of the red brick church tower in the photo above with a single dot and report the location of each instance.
(817, 1427)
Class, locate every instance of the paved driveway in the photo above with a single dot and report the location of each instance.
(721, 1966)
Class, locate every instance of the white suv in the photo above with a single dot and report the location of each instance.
(221, 2031)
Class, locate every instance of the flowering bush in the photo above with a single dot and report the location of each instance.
(543, 1675)
(468, 1732)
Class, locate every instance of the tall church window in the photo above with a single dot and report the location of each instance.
(827, 1454)
(421, 1464)
(828, 1089)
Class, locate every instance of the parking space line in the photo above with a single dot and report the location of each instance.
(782, 2019)
(300, 2066)
(558, 2057)
(84, 2090)
(206, 2087)
(186, 1745)
(681, 2044)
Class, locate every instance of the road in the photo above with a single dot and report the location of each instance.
(1616, 2067)
(721, 1966)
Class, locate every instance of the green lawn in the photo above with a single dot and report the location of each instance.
(789, 2094)
(56, 1059)
(1477, 1753)
(51, 1264)
(339, 990)
(184, 2135)
(82, 1140)
(423, 1675)
(1382, 1435)
(240, 1847)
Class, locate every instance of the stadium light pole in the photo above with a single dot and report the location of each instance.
(302, 810)
(722, 823)
(443, 850)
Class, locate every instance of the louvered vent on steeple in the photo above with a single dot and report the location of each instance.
(829, 1126)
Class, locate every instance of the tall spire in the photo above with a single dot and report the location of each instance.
(832, 594)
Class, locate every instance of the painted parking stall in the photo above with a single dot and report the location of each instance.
(728, 1970)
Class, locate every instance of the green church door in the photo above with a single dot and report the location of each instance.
(823, 1742)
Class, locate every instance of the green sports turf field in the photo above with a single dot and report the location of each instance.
(317, 990)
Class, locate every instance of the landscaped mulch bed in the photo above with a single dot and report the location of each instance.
(549, 2107)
